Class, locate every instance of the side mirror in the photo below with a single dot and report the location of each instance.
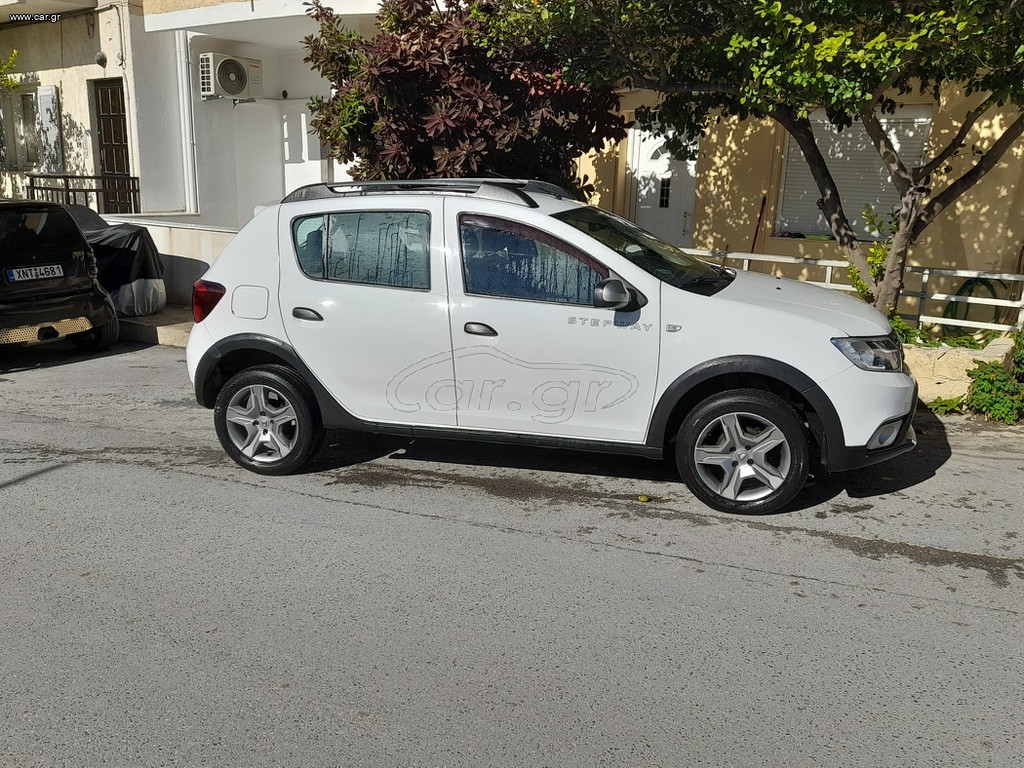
(611, 294)
(614, 294)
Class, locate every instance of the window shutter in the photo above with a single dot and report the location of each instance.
(4, 111)
(856, 167)
(51, 156)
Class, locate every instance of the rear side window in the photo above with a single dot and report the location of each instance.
(29, 229)
(389, 248)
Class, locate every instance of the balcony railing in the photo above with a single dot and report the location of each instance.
(105, 194)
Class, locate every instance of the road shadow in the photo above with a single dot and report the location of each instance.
(346, 449)
(897, 474)
(56, 354)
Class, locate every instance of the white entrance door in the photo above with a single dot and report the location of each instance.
(664, 188)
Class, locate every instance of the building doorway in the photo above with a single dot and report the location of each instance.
(116, 193)
(663, 188)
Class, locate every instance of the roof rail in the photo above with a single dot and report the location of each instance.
(515, 191)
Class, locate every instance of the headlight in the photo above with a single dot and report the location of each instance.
(878, 353)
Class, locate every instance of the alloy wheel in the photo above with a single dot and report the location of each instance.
(742, 457)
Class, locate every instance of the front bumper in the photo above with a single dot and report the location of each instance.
(857, 456)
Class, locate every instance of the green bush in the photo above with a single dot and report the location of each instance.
(943, 405)
(998, 393)
(1017, 357)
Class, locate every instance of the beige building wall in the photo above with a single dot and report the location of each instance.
(166, 6)
(64, 54)
(740, 166)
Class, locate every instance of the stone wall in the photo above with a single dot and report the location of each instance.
(942, 371)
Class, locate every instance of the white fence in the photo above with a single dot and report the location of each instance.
(1007, 313)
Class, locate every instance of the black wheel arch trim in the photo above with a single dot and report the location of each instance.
(827, 427)
(332, 415)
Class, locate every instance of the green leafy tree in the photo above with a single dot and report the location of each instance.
(772, 59)
(6, 65)
(429, 96)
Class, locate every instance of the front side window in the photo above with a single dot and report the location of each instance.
(665, 261)
(510, 260)
(389, 248)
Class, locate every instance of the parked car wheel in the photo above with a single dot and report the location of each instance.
(267, 420)
(99, 338)
(743, 451)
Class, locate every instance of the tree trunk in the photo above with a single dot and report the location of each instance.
(830, 203)
(887, 290)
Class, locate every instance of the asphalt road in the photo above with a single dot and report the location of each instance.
(439, 604)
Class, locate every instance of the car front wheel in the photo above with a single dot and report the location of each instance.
(267, 421)
(743, 451)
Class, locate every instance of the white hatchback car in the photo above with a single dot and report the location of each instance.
(503, 310)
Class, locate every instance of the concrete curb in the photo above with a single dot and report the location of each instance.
(169, 327)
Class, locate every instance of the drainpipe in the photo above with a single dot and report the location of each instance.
(188, 149)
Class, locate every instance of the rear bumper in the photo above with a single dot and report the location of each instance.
(54, 318)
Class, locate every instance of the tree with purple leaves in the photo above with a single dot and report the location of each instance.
(432, 95)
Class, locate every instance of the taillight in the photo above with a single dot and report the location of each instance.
(205, 296)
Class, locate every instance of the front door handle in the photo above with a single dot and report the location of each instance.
(303, 313)
(479, 329)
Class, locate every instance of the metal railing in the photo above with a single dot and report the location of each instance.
(1008, 312)
(106, 193)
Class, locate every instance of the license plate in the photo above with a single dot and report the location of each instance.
(34, 273)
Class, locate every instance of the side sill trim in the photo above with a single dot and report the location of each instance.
(334, 416)
(506, 438)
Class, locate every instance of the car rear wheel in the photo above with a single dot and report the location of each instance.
(743, 451)
(267, 420)
(100, 337)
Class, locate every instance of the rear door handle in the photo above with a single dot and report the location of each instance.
(303, 313)
(479, 329)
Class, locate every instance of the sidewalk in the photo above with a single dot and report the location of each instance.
(169, 327)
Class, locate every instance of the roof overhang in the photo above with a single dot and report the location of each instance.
(271, 23)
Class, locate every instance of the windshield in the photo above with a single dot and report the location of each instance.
(666, 262)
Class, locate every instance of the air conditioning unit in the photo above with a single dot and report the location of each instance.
(230, 77)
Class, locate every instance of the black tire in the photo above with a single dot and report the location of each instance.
(100, 337)
(754, 451)
(285, 429)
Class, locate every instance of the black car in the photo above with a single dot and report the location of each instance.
(48, 280)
